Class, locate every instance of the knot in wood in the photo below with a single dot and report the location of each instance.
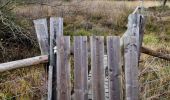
(130, 47)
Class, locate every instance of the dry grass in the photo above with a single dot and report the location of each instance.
(102, 18)
(109, 17)
(53, 9)
(154, 72)
(104, 7)
(23, 84)
(154, 79)
(14, 36)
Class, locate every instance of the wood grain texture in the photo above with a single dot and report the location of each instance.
(52, 62)
(113, 51)
(97, 64)
(63, 69)
(42, 35)
(80, 68)
(131, 68)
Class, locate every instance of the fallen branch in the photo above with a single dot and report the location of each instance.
(155, 54)
(23, 63)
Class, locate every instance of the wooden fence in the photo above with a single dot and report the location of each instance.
(60, 51)
(63, 85)
(120, 54)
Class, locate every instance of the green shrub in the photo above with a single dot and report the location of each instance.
(82, 32)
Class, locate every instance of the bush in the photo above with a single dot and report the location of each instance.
(13, 36)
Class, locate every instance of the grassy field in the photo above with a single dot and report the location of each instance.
(92, 18)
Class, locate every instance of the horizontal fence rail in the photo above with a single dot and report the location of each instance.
(23, 63)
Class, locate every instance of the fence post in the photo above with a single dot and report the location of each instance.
(113, 51)
(97, 64)
(131, 68)
(132, 46)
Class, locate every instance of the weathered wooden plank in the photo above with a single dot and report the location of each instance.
(43, 38)
(52, 62)
(113, 47)
(98, 72)
(56, 29)
(80, 68)
(63, 69)
(42, 35)
(131, 68)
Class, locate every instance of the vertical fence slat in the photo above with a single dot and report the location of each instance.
(63, 69)
(131, 68)
(42, 35)
(52, 61)
(56, 28)
(43, 39)
(113, 51)
(97, 63)
(80, 68)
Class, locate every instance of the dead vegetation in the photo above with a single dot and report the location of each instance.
(14, 37)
